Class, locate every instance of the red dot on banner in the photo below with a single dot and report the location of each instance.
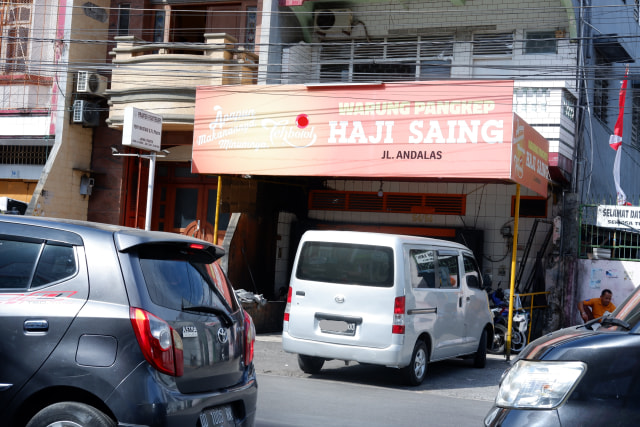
(302, 120)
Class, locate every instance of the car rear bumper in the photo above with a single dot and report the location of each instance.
(159, 402)
(392, 356)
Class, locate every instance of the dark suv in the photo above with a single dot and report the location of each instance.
(104, 325)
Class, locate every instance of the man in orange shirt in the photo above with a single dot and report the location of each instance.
(596, 307)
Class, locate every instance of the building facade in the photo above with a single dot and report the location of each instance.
(562, 60)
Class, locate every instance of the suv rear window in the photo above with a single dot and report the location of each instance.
(365, 265)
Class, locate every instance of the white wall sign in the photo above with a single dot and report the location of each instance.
(141, 129)
(613, 216)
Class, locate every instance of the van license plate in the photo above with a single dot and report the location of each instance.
(338, 327)
(221, 416)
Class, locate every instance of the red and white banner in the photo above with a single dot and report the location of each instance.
(615, 141)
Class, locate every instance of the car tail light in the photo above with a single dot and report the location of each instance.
(159, 342)
(249, 338)
(398, 316)
(287, 308)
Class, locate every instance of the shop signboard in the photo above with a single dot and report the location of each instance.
(442, 129)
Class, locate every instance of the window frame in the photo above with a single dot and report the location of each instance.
(16, 31)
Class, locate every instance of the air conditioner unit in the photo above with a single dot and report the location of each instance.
(91, 83)
(85, 113)
(333, 21)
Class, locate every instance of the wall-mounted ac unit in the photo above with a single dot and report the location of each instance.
(91, 83)
(332, 21)
(85, 113)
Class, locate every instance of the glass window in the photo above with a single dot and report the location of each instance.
(448, 270)
(124, 13)
(176, 284)
(55, 264)
(349, 264)
(537, 42)
(16, 25)
(471, 271)
(17, 261)
(423, 270)
(185, 207)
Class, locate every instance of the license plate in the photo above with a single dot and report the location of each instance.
(339, 327)
(221, 416)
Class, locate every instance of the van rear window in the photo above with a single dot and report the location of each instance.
(350, 264)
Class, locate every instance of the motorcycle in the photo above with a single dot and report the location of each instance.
(519, 324)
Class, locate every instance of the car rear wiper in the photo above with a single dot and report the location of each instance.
(227, 319)
(615, 321)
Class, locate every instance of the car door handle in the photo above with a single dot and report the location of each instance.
(39, 325)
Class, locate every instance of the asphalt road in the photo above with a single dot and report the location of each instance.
(453, 378)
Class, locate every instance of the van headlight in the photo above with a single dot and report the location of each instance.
(539, 384)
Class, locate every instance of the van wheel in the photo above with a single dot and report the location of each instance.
(480, 358)
(71, 414)
(310, 364)
(416, 371)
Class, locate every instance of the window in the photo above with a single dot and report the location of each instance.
(423, 268)
(448, 269)
(16, 24)
(493, 44)
(178, 283)
(537, 42)
(472, 272)
(52, 263)
(603, 72)
(635, 116)
(250, 31)
(349, 264)
(387, 59)
(124, 14)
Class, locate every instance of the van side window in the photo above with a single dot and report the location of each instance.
(448, 274)
(472, 273)
(422, 262)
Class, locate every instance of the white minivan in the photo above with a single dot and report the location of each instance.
(384, 299)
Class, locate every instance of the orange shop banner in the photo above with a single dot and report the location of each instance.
(452, 129)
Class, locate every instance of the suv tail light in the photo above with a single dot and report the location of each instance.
(287, 308)
(159, 342)
(249, 338)
(398, 316)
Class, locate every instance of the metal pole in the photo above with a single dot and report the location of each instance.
(514, 251)
(215, 226)
(152, 173)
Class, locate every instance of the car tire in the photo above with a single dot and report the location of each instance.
(416, 371)
(72, 414)
(310, 364)
(480, 357)
(500, 339)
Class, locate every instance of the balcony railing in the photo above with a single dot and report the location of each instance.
(162, 77)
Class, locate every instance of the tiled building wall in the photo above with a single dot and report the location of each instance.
(488, 208)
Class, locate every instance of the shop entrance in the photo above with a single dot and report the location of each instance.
(185, 203)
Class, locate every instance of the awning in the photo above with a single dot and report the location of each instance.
(608, 46)
(445, 130)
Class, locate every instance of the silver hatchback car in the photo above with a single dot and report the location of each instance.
(105, 325)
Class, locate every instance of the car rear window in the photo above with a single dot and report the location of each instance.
(178, 283)
(346, 263)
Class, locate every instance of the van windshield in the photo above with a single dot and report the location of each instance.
(345, 263)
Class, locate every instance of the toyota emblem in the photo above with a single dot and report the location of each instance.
(222, 335)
